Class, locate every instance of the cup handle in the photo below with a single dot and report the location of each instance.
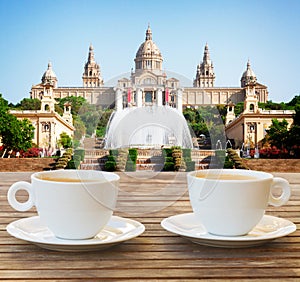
(11, 196)
(282, 184)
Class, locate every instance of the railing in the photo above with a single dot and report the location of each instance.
(96, 153)
(148, 159)
(202, 153)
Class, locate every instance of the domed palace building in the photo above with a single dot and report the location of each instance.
(149, 84)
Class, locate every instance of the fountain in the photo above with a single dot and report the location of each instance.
(228, 142)
(219, 143)
(148, 127)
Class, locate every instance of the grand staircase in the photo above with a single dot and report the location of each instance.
(95, 157)
(148, 159)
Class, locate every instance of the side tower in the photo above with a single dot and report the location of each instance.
(49, 76)
(92, 75)
(205, 76)
(248, 82)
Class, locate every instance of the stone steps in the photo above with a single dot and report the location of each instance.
(92, 143)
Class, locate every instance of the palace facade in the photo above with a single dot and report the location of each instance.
(149, 85)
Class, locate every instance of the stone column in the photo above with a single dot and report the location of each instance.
(119, 99)
(139, 97)
(179, 99)
(159, 97)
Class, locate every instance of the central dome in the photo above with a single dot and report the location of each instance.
(148, 56)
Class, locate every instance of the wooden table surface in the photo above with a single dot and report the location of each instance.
(157, 254)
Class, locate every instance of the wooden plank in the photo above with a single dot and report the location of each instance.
(157, 254)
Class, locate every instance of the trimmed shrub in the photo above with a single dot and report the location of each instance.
(177, 157)
(114, 152)
(169, 159)
(132, 154)
(111, 158)
(232, 160)
(167, 152)
(186, 153)
(168, 166)
(190, 166)
(187, 157)
(71, 165)
(228, 163)
(130, 166)
(110, 166)
(131, 160)
(80, 153)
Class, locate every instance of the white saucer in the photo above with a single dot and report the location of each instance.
(269, 228)
(116, 231)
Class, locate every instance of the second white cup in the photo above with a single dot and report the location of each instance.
(231, 202)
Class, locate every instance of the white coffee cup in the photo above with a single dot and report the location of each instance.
(233, 206)
(73, 204)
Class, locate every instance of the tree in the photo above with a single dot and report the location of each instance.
(86, 116)
(103, 121)
(90, 117)
(294, 133)
(278, 133)
(189, 114)
(80, 128)
(295, 101)
(76, 103)
(223, 111)
(238, 108)
(16, 134)
(65, 140)
(29, 104)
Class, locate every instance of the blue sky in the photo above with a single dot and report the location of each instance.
(34, 32)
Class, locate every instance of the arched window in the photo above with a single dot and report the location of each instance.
(149, 139)
(47, 108)
(91, 72)
(251, 108)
